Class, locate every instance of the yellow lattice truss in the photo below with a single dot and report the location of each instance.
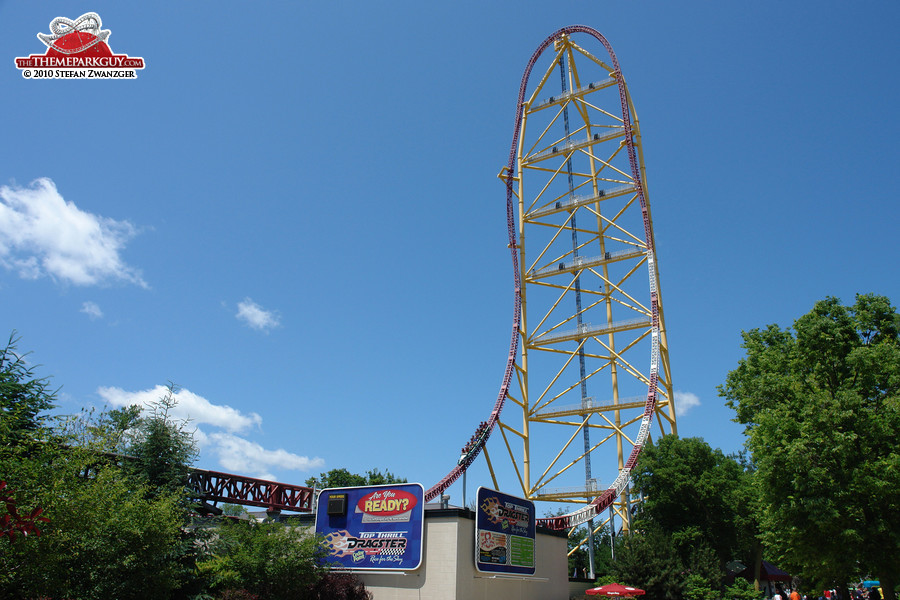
(583, 367)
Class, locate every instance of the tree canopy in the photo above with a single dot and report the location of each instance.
(268, 559)
(697, 496)
(162, 448)
(24, 401)
(336, 478)
(97, 506)
(821, 407)
(578, 549)
(696, 514)
(649, 560)
(103, 532)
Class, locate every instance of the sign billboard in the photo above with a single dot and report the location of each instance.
(375, 527)
(504, 533)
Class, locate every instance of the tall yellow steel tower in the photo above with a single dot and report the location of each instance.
(588, 375)
(592, 371)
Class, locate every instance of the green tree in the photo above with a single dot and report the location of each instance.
(109, 533)
(579, 558)
(697, 496)
(163, 449)
(336, 478)
(233, 510)
(269, 559)
(821, 408)
(577, 545)
(741, 589)
(109, 431)
(697, 587)
(376, 477)
(650, 561)
(24, 402)
(104, 539)
(339, 586)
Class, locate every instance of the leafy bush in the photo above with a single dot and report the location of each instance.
(104, 539)
(651, 559)
(742, 589)
(339, 586)
(696, 587)
(272, 560)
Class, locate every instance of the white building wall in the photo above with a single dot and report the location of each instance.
(448, 568)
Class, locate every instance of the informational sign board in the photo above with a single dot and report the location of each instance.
(374, 527)
(504, 533)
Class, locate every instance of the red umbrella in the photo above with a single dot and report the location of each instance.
(614, 589)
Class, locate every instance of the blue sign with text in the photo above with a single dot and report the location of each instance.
(373, 527)
(504, 533)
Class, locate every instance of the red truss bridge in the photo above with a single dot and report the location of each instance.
(211, 487)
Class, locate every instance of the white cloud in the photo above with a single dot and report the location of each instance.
(42, 234)
(256, 317)
(92, 310)
(197, 409)
(241, 456)
(235, 454)
(685, 401)
(201, 439)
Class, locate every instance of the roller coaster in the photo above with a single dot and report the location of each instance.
(587, 304)
(588, 357)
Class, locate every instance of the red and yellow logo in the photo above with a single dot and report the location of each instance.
(78, 50)
(386, 503)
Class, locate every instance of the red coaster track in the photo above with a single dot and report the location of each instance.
(475, 446)
(211, 486)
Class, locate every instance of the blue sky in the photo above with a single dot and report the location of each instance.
(293, 212)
